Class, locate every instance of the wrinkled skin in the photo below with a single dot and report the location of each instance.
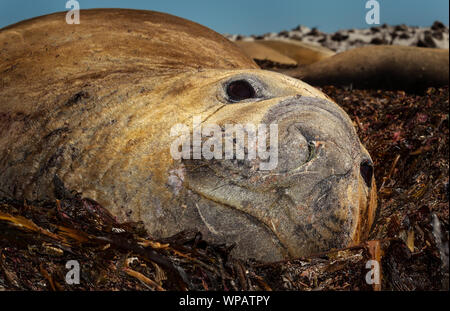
(102, 127)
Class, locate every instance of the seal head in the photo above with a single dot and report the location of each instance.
(319, 195)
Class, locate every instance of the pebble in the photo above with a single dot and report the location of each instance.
(435, 36)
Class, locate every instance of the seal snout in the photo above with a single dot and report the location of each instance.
(309, 128)
(311, 201)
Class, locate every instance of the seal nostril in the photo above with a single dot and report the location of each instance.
(311, 150)
(366, 169)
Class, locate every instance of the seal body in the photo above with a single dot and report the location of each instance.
(257, 51)
(386, 67)
(302, 52)
(93, 106)
(284, 51)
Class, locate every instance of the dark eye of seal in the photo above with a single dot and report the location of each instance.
(366, 169)
(240, 90)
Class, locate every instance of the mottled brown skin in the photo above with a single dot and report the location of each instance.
(386, 67)
(93, 104)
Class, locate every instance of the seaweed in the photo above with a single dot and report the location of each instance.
(406, 134)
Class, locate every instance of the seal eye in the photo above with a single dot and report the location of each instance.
(366, 169)
(240, 90)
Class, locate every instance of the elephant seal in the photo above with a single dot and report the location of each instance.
(385, 67)
(284, 51)
(93, 106)
(303, 53)
(257, 51)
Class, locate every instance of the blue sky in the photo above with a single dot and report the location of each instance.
(254, 16)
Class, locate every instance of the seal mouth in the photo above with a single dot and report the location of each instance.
(245, 225)
(290, 225)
